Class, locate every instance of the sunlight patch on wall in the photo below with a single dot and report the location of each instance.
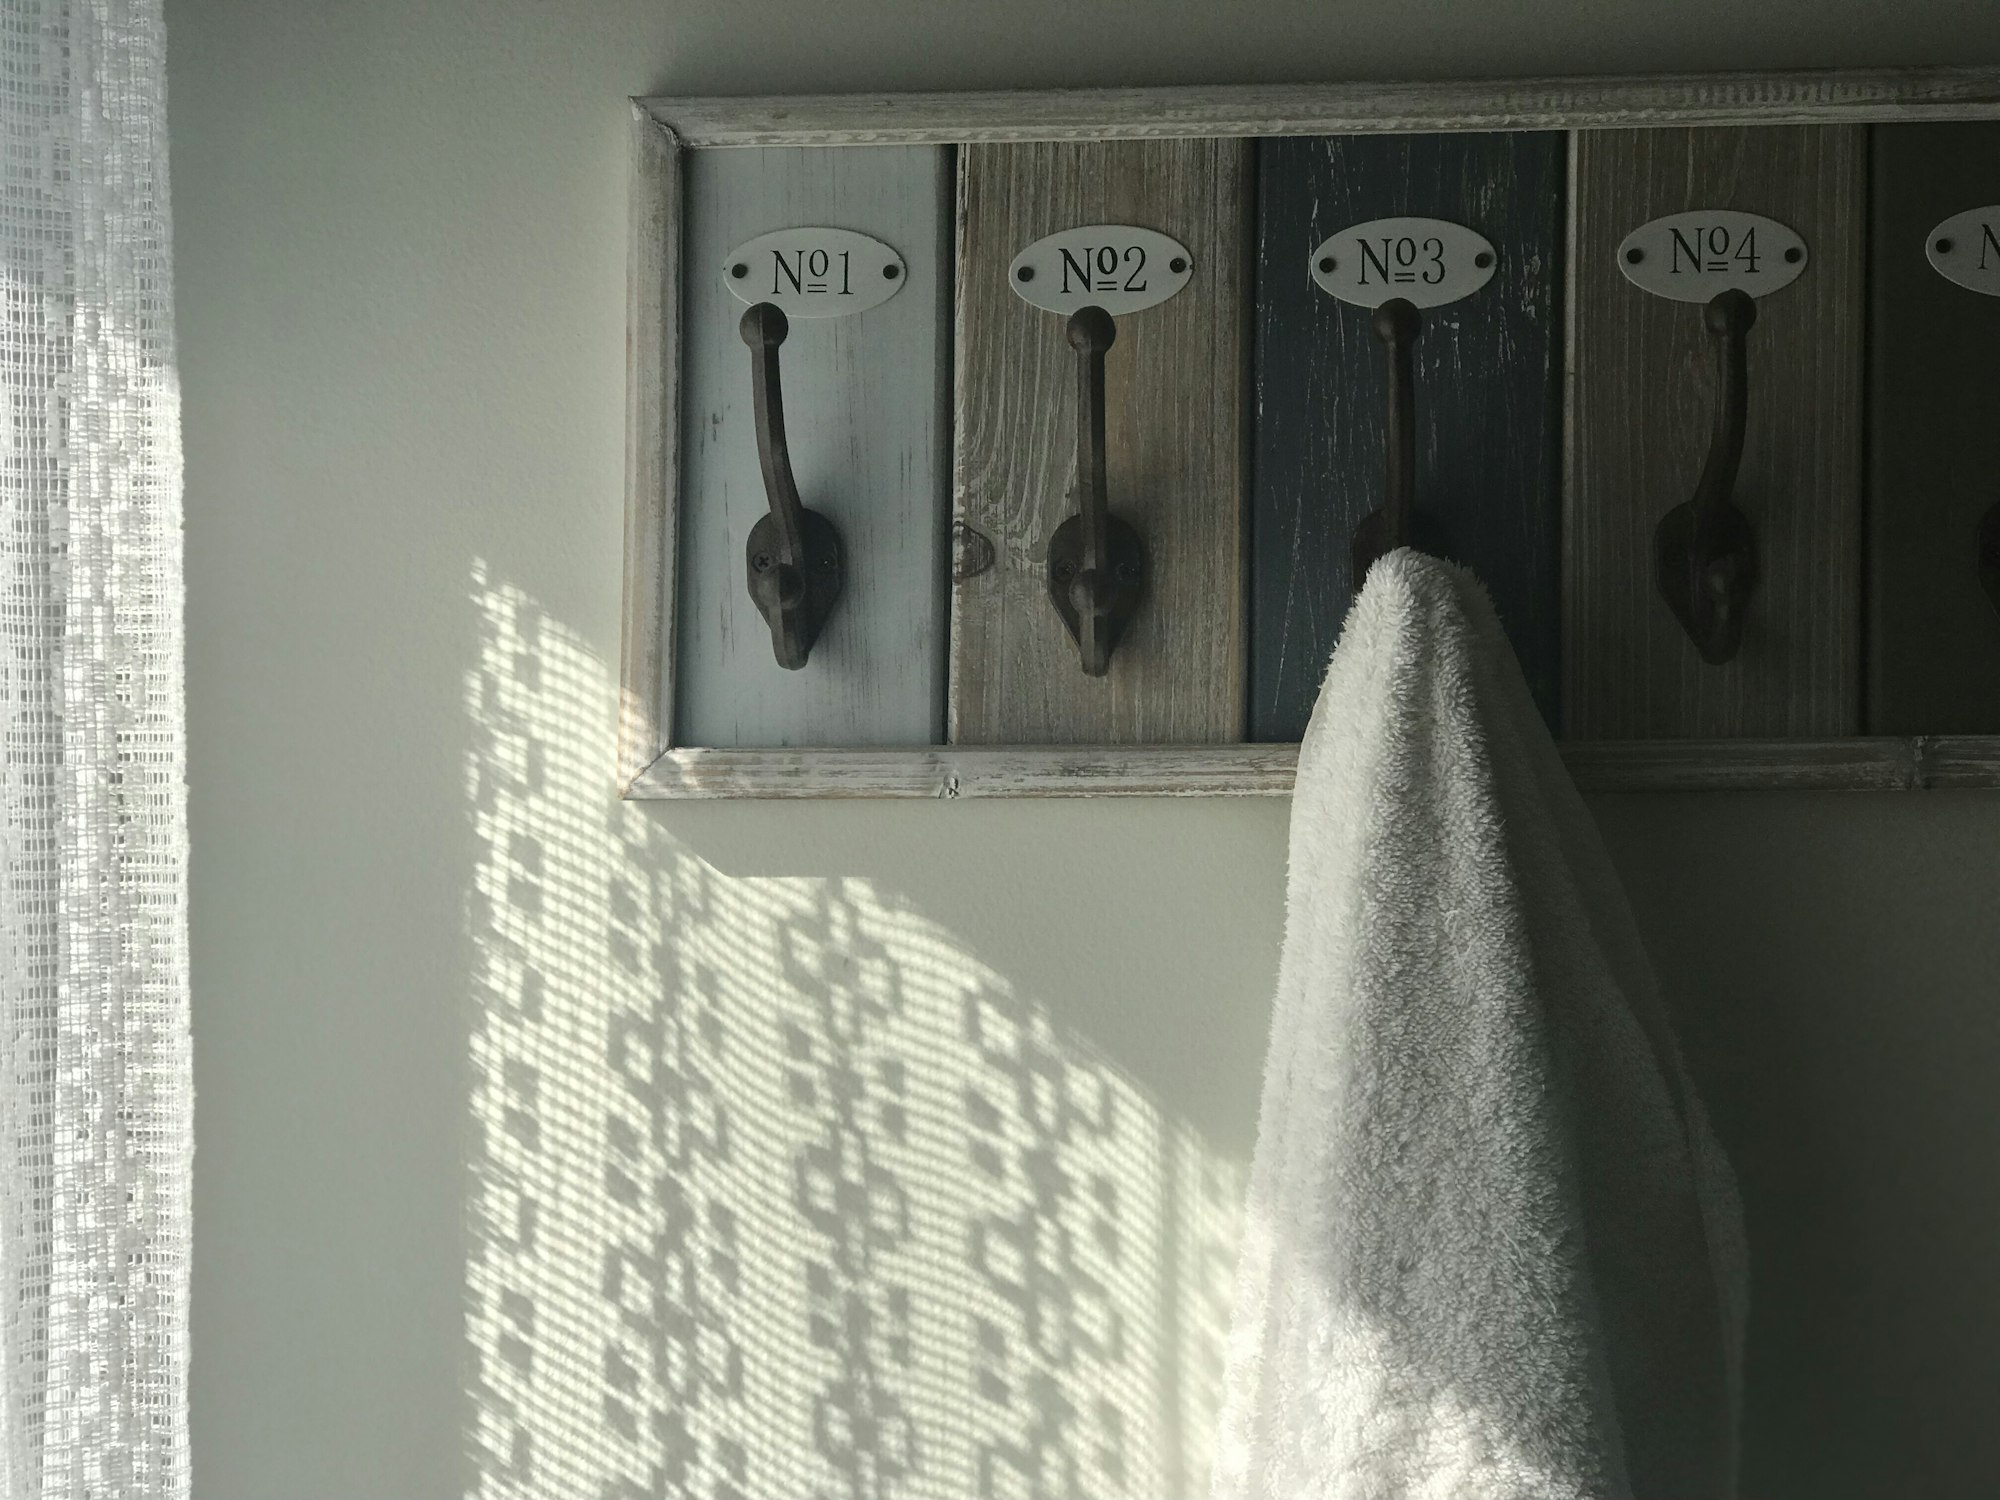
(777, 1191)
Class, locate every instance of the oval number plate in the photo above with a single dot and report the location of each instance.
(1966, 249)
(1427, 262)
(1118, 267)
(1692, 256)
(814, 273)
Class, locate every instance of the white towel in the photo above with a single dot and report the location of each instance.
(1493, 1250)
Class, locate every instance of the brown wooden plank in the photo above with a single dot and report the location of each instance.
(1641, 400)
(1933, 443)
(1175, 433)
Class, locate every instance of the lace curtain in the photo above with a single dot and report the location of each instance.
(95, 1099)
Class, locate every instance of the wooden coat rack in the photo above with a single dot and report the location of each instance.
(1242, 412)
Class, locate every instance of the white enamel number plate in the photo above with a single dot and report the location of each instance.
(814, 273)
(1426, 262)
(1693, 256)
(1118, 267)
(1966, 249)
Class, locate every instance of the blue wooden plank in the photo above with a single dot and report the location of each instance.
(1488, 384)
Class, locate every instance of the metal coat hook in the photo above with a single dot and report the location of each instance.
(793, 556)
(1396, 323)
(1097, 563)
(1705, 553)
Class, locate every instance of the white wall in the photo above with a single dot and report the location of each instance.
(400, 243)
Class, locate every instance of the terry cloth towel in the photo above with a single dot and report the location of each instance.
(1493, 1251)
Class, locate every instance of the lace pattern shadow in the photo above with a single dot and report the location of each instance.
(779, 1192)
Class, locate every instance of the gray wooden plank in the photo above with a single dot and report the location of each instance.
(1933, 443)
(1641, 393)
(867, 413)
(1797, 98)
(1487, 394)
(1962, 763)
(652, 416)
(1175, 438)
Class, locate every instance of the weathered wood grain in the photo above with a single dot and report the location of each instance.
(1967, 763)
(1933, 441)
(1641, 393)
(977, 771)
(652, 415)
(1731, 765)
(866, 411)
(1795, 98)
(1488, 383)
(1175, 438)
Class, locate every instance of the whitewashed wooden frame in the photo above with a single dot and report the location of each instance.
(651, 765)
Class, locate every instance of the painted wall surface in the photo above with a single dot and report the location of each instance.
(400, 234)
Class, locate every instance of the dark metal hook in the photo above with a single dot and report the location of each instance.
(1097, 563)
(1396, 323)
(794, 554)
(1705, 553)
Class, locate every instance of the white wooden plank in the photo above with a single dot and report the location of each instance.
(1851, 96)
(866, 410)
(1932, 763)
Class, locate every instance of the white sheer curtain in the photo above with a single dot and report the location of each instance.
(95, 1100)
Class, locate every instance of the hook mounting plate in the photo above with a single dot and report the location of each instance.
(1706, 568)
(794, 602)
(1117, 595)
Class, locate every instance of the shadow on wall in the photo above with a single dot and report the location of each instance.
(777, 1190)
